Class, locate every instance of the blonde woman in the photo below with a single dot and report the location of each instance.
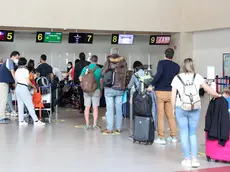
(188, 119)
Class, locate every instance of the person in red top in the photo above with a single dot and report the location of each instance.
(31, 69)
(72, 71)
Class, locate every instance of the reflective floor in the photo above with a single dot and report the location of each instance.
(64, 146)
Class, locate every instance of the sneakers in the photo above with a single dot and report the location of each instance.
(106, 131)
(118, 131)
(186, 163)
(163, 141)
(160, 141)
(195, 163)
(96, 127)
(39, 123)
(7, 113)
(104, 118)
(14, 114)
(23, 123)
(172, 139)
(4, 120)
(87, 127)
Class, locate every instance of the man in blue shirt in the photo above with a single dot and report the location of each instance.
(7, 76)
(166, 71)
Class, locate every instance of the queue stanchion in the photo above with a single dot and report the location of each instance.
(57, 101)
(228, 81)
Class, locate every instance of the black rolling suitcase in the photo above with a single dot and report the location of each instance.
(143, 130)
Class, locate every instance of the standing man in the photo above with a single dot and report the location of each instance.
(117, 66)
(77, 72)
(92, 98)
(7, 77)
(44, 69)
(166, 71)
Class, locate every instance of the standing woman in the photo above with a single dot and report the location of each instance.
(32, 71)
(69, 71)
(188, 119)
(23, 95)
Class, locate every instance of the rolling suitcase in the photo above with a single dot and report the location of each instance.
(143, 130)
(216, 152)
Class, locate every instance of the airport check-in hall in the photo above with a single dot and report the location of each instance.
(115, 86)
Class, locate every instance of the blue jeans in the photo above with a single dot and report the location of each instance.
(188, 122)
(10, 105)
(113, 99)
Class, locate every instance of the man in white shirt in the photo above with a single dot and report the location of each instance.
(57, 73)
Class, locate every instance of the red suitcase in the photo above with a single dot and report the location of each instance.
(216, 152)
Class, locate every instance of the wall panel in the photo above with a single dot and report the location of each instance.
(145, 15)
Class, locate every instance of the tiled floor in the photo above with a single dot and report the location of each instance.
(62, 147)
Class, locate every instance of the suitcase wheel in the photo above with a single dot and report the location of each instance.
(148, 143)
(134, 141)
(208, 158)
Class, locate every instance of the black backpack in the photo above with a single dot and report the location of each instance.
(142, 105)
(109, 77)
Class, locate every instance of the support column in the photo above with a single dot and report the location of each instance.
(183, 45)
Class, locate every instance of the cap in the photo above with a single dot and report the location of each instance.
(114, 50)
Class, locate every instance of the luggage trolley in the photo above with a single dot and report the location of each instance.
(46, 95)
(47, 101)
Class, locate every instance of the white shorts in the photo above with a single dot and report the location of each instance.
(92, 99)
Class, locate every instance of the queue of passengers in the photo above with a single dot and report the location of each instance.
(166, 84)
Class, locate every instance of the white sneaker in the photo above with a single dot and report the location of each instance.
(195, 163)
(23, 123)
(160, 141)
(186, 163)
(7, 113)
(14, 114)
(104, 118)
(172, 139)
(26, 115)
(39, 123)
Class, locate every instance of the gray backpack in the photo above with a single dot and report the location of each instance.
(190, 98)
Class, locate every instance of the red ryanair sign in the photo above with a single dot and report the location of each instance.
(159, 40)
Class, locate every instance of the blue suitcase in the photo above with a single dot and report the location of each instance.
(126, 107)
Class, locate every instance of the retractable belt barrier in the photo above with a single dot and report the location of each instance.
(222, 83)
